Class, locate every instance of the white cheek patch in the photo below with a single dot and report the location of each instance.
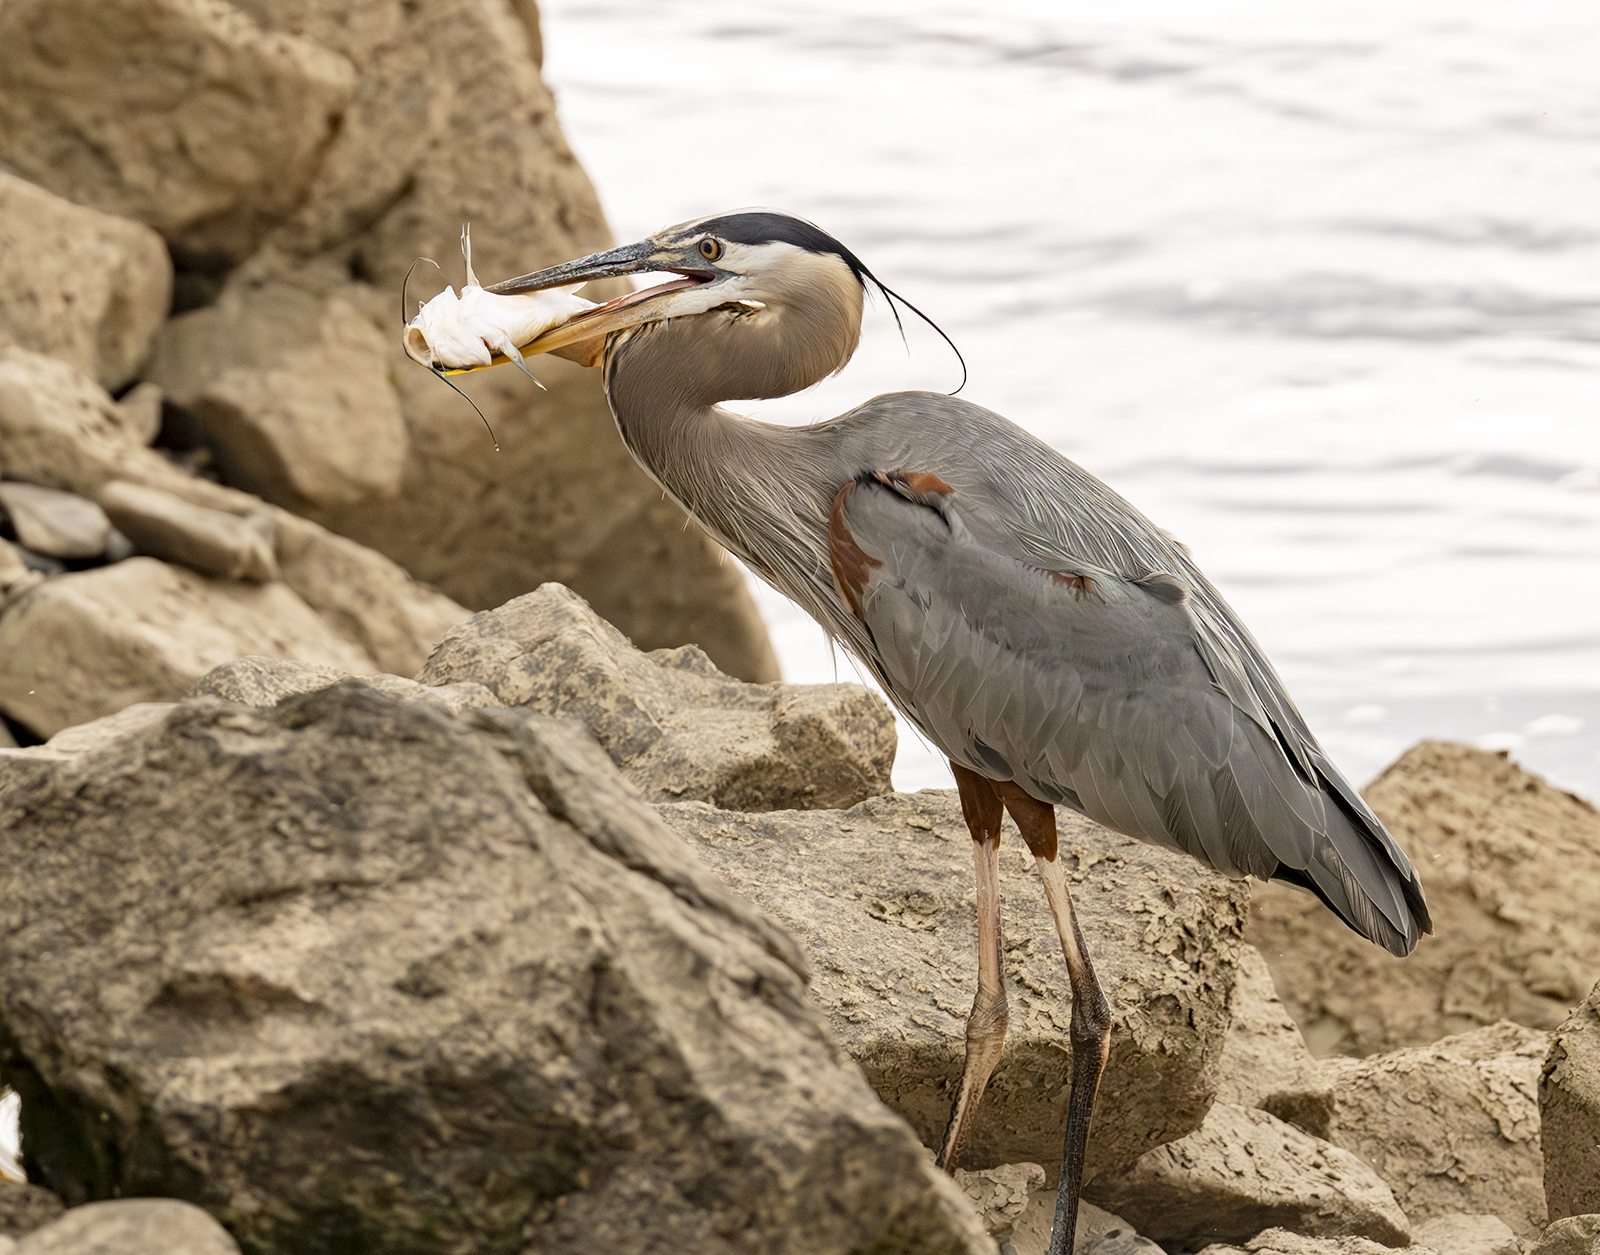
(453, 332)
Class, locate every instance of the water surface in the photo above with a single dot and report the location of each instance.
(1316, 286)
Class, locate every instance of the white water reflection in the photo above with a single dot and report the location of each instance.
(1317, 286)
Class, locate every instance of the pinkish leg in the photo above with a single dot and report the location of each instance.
(1091, 1013)
(986, 1026)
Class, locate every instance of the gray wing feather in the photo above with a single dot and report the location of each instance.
(1138, 700)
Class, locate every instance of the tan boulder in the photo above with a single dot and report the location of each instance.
(1458, 1234)
(881, 898)
(560, 499)
(449, 122)
(1096, 1229)
(1265, 1063)
(1511, 867)
(1001, 1194)
(1452, 1127)
(268, 681)
(16, 576)
(445, 982)
(59, 428)
(56, 523)
(1283, 1242)
(1019, 1211)
(140, 408)
(212, 542)
(313, 420)
(87, 644)
(1121, 1242)
(291, 393)
(132, 1226)
(994, 1192)
(78, 284)
(24, 1208)
(213, 140)
(84, 738)
(675, 725)
(1569, 1110)
(1244, 1171)
(370, 600)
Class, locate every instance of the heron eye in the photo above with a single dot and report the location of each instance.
(710, 249)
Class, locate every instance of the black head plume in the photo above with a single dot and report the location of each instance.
(763, 226)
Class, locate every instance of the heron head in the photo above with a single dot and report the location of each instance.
(740, 273)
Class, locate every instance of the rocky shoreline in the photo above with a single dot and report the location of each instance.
(543, 952)
(337, 919)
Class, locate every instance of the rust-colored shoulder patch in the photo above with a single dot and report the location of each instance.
(1079, 584)
(915, 486)
(850, 563)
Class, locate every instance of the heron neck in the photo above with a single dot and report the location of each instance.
(758, 488)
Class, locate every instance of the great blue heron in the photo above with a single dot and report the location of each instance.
(1056, 645)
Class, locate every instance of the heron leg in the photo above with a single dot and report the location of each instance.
(986, 1026)
(1091, 1013)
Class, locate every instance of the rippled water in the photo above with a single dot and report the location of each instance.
(1316, 286)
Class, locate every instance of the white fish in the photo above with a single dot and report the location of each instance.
(455, 333)
(11, 1137)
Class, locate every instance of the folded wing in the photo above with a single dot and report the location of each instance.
(1116, 696)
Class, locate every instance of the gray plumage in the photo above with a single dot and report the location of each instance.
(1143, 703)
(1140, 700)
(1053, 642)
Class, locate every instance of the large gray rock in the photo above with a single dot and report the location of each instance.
(1571, 1235)
(881, 897)
(87, 644)
(1511, 866)
(1569, 1111)
(1265, 1063)
(356, 974)
(215, 138)
(132, 1226)
(677, 726)
(1244, 1171)
(1452, 1127)
(77, 284)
